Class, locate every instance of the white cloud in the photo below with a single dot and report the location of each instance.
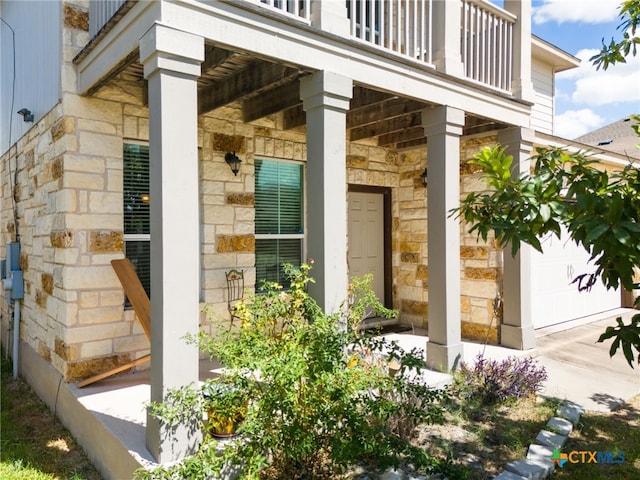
(589, 11)
(618, 84)
(574, 123)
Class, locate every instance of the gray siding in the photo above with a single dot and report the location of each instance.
(38, 41)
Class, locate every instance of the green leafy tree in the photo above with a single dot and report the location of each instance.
(617, 51)
(600, 210)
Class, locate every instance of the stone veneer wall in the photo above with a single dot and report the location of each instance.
(70, 215)
(481, 262)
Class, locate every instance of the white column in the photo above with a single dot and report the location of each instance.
(443, 127)
(521, 84)
(517, 327)
(325, 98)
(447, 21)
(330, 16)
(171, 60)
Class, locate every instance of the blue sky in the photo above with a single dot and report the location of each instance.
(587, 99)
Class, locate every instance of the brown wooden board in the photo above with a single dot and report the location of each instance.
(135, 292)
(141, 305)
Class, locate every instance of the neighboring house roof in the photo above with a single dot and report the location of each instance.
(616, 137)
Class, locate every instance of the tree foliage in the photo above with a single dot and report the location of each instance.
(617, 51)
(600, 210)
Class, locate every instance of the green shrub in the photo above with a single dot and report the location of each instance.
(321, 398)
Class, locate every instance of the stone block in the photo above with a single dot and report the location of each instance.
(89, 299)
(99, 348)
(83, 369)
(92, 316)
(62, 127)
(76, 18)
(235, 243)
(96, 277)
(106, 242)
(530, 469)
(571, 411)
(228, 143)
(539, 452)
(84, 181)
(408, 257)
(550, 439)
(64, 351)
(422, 272)
(100, 144)
(88, 222)
(506, 475)
(41, 299)
(247, 199)
(414, 307)
(476, 331)
(481, 273)
(560, 425)
(47, 282)
(105, 331)
(392, 474)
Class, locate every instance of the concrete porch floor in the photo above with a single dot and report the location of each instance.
(579, 370)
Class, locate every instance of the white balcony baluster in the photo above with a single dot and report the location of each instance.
(487, 43)
(401, 26)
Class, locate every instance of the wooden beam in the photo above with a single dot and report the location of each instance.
(363, 97)
(413, 133)
(382, 111)
(214, 57)
(272, 101)
(247, 81)
(386, 126)
(411, 144)
(294, 117)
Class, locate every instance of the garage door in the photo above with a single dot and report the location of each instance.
(555, 299)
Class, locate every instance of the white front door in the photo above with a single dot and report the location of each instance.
(554, 298)
(366, 238)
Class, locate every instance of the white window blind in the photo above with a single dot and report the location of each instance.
(137, 234)
(279, 221)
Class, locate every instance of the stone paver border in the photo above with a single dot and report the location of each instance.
(538, 464)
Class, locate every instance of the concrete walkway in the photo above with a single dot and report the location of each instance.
(578, 368)
(581, 370)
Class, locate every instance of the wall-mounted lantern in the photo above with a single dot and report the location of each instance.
(233, 161)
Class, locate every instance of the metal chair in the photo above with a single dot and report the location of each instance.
(235, 291)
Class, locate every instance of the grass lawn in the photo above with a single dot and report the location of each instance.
(618, 431)
(33, 444)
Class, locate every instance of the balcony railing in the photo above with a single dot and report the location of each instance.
(404, 27)
(100, 12)
(487, 43)
(295, 8)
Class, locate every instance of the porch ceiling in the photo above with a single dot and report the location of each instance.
(265, 88)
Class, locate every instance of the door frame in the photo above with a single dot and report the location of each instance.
(386, 232)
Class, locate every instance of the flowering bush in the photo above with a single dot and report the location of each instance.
(321, 395)
(492, 381)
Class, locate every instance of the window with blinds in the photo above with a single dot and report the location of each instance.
(137, 234)
(279, 220)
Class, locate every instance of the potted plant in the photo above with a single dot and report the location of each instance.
(226, 405)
